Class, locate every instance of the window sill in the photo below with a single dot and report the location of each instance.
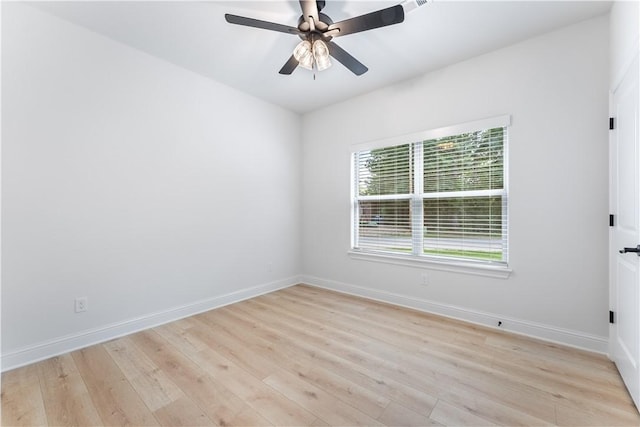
(486, 270)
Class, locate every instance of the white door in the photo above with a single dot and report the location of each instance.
(625, 267)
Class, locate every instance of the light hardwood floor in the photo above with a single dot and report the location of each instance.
(307, 356)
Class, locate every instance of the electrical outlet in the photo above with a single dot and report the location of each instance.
(424, 277)
(81, 304)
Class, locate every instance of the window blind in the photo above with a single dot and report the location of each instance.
(385, 187)
(443, 197)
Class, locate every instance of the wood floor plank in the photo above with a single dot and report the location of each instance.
(398, 415)
(462, 378)
(396, 363)
(305, 346)
(234, 347)
(458, 368)
(563, 389)
(150, 382)
(250, 417)
(308, 356)
(522, 397)
(378, 331)
(451, 415)
(218, 402)
(176, 333)
(288, 357)
(510, 415)
(182, 412)
(403, 320)
(582, 413)
(371, 380)
(317, 401)
(115, 399)
(501, 411)
(66, 398)
(22, 403)
(269, 403)
(374, 333)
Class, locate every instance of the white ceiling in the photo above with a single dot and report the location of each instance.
(194, 35)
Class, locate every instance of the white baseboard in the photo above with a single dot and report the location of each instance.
(522, 327)
(50, 348)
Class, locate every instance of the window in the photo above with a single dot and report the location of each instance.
(439, 195)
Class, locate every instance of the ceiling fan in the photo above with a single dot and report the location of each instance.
(317, 31)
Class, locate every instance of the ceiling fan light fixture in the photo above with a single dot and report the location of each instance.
(321, 55)
(304, 54)
(313, 25)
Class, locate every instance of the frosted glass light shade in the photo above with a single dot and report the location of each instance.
(321, 55)
(304, 55)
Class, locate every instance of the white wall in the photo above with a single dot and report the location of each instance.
(555, 88)
(133, 182)
(624, 21)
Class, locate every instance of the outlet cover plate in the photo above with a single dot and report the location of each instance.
(81, 304)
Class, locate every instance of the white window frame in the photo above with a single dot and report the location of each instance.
(417, 259)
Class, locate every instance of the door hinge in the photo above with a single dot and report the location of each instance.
(611, 317)
(611, 220)
(612, 123)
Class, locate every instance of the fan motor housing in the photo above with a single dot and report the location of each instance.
(323, 18)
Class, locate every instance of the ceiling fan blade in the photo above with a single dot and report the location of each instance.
(381, 18)
(309, 8)
(289, 66)
(256, 23)
(343, 57)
